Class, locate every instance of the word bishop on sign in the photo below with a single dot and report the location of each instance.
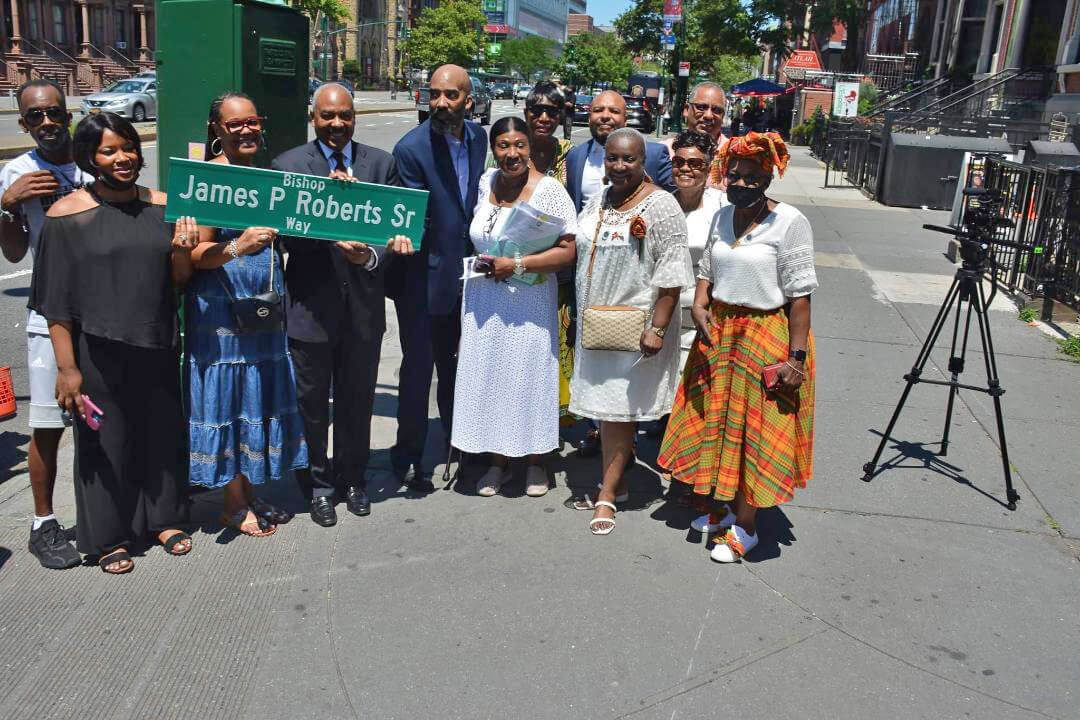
(229, 196)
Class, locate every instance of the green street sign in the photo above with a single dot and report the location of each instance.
(230, 196)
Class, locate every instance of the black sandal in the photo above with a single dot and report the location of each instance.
(175, 540)
(266, 511)
(116, 556)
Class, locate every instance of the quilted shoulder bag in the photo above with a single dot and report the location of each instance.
(609, 327)
(258, 312)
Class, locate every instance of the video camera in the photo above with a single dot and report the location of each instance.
(982, 219)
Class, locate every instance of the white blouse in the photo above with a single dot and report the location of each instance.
(772, 263)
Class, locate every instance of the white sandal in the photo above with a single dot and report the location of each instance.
(490, 484)
(595, 521)
(702, 524)
(536, 481)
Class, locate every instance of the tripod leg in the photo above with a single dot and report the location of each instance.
(913, 377)
(956, 364)
(996, 391)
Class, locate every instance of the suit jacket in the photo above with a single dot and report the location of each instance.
(657, 165)
(423, 160)
(325, 294)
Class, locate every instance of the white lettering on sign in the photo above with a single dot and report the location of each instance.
(221, 194)
(402, 219)
(277, 194)
(304, 182)
(300, 226)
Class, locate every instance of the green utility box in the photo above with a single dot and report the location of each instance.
(208, 47)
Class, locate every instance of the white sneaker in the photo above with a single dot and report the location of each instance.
(491, 482)
(735, 544)
(702, 524)
(536, 481)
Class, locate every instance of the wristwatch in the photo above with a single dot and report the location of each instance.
(660, 331)
(799, 355)
(519, 265)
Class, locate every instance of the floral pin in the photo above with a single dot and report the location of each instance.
(638, 228)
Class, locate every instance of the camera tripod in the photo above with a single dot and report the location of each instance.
(966, 288)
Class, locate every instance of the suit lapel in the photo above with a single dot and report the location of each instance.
(317, 164)
(359, 163)
(477, 156)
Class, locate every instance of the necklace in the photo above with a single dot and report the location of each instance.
(739, 239)
(626, 200)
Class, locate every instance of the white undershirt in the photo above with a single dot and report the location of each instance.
(592, 175)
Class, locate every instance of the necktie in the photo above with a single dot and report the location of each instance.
(339, 161)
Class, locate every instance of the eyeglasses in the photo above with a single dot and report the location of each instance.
(702, 108)
(36, 116)
(538, 110)
(748, 180)
(235, 126)
(678, 162)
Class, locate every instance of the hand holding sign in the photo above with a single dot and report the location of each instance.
(356, 252)
(254, 239)
(400, 245)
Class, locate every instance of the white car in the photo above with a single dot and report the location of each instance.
(135, 98)
(522, 92)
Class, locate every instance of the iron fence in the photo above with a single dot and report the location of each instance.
(890, 72)
(1043, 207)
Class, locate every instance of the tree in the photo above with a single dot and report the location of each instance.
(728, 70)
(591, 58)
(449, 33)
(528, 55)
(333, 10)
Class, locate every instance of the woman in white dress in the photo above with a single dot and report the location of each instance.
(506, 399)
(631, 252)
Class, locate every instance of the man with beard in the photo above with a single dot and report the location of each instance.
(704, 113)
(585, 178)
(334, 313)
(445, 156)
(30, 184)
(585, 163)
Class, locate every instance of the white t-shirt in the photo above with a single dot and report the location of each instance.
(33, 211)
(773, 262)
(592, 175)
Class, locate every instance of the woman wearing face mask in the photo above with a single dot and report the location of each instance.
(633, 254)
(506, 400)
(244, 427)
(730, 437)
(104, 279)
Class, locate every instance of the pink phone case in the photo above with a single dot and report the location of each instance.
(95, 415)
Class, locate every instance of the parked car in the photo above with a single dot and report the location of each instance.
(481, 109)
(639, 114)
(134, 98)
(523, 92)
(502, 91)
(582, 103)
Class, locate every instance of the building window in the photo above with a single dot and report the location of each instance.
(120, 38)
(33, 19)
(59, 26)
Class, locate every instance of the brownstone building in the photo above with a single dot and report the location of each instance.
(81, 44)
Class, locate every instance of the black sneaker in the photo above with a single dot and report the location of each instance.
(49, 544)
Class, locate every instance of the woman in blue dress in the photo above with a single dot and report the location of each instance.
(245, 428)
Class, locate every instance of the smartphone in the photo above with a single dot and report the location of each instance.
(484, 265)
(94, 415)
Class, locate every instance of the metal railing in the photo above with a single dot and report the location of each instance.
(1011, 94)
(913, 98)
(120, 59)
(890, 72)
(1043, 205)
(57, 54)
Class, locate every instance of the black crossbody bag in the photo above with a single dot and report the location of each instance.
(258, 312)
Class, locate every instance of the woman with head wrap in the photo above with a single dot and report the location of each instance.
(741, 429)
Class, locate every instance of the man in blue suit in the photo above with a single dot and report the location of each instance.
(585, 178)
(445, 156)
(585, 163)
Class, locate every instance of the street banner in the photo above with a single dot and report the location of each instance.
(673, 10)
(846, 99)
(230, 196)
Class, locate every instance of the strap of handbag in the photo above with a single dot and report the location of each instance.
(592, 256)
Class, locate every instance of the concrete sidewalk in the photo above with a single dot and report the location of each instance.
(916, 595)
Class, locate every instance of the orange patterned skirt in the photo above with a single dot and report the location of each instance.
(726, 432)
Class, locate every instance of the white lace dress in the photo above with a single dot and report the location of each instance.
(623, 386)
(698, 226)
(506, 397)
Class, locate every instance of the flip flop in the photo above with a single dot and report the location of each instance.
(175, 540)
(117, 556)
(236, 522)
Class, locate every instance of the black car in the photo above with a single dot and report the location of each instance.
(639, 114)
(481, 109)
(582, 103)
(502, 91)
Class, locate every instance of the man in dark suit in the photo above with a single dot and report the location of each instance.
(585, 163)
(445, 156)
(335, 313)
(585, 178)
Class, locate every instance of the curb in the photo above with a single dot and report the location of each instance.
(7, 152)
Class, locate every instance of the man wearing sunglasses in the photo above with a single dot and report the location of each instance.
(704, 113)
(30, 184)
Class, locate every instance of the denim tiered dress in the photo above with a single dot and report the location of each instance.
(244, 418)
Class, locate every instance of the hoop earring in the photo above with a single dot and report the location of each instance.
(212, 150)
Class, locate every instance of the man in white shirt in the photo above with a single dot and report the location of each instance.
(30, 184)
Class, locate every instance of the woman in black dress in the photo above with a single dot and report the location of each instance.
(104, 280)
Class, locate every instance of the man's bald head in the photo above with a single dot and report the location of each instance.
(450, 98)
(606, 114)
(331, 93)
(453, 75)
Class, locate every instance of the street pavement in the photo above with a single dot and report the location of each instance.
(916, 595)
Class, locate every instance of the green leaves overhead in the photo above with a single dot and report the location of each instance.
(449, 33)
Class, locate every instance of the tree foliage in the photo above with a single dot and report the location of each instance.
(528, 55)
(333, 10)
(595, 58)
(448, 33)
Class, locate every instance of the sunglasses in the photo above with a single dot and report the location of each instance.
(678, 162)
(235, 126)
(702, 108)
(36, 116)
(538, 110)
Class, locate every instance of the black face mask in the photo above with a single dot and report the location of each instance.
(744, 197)
(111, 183)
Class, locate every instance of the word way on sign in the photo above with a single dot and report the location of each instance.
(228, 196)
